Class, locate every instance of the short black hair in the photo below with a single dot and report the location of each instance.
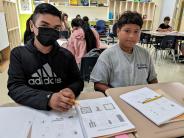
(167, 18)
(78, 16)
(45, 8)
(129, 17)
(76, 22)
(86, 19)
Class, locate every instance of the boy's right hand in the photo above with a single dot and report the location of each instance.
(62, 100)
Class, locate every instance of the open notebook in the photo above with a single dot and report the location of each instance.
(154, 106)
(91, 118)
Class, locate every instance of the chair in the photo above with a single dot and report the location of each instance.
(87, 64)
(166, 43)
(101, 28)
(113, 34)
(146, 38)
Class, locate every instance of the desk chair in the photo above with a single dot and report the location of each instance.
(146, 39)
(87, 64)
(165, 43)
(102, 29)
(112, 35)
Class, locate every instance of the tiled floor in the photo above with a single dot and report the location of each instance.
(167, 71)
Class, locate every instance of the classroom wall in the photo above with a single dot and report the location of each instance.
(168, 9)
(182, 23)
(94, 13)
(156, 20)
(23, 18)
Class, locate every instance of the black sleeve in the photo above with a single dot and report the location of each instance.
(160, 26)
(76, 82)
(18, 90)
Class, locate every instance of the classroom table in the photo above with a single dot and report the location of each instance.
(156, 37)
(145, 128)
(156, 33)
(82, 96)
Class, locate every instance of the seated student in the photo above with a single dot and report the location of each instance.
(165, 27)
(86, 23)
(42, 74)
(124, 64)
(99, 44)
(82, 40)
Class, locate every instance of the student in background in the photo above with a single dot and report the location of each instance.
(78, 16)
(27, 34)
(86, 23)
(42, 74)
(82, 39)
(165, 27)
(65, 25)
(124, 64)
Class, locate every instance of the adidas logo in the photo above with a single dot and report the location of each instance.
(44, 76)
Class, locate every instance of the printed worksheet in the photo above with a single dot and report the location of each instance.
(153, 105)
(15, 122)
(57, 125)
(102, 117)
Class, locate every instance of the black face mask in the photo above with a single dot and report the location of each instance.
(64, 34)
(47, 36)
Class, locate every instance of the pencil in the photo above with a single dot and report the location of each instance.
(152, 99)
(76, 102)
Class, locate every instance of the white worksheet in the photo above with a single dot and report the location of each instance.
(15, 122)
(101, 117)
(153, 105)
(51, 124)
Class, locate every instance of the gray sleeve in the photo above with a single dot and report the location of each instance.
(151, 74)
(101, 71)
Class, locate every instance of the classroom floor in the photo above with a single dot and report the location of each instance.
(167, 70)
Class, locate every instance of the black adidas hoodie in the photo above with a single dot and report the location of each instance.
(34, 75)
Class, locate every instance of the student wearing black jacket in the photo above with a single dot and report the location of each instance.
(43, 75)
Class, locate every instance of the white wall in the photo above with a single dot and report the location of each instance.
(94, 13)
(167, 9)
(156, 20)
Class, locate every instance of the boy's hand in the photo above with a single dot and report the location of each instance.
(62, 100)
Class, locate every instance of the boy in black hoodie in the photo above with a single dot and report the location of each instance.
(43, 75)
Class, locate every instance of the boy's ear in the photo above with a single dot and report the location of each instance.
(118, 30)
(31, 26)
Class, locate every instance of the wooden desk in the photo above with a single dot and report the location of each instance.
(85, 95)
(82, 96)
(145, 128)
(156, 33)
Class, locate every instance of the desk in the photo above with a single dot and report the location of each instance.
(157, 37)
(145, 128)
(82, 96)
(86, 95)
(156, 33)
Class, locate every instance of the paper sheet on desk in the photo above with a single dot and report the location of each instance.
(159, 110)
(15, 122)
(102, 117)
(57, 125)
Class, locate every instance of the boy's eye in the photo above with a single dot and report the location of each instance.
(46, 26)
(137, 32)
(127, 31)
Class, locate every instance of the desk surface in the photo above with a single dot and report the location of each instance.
(86, 95)
(82, 96)
(156, 33)
(145, 128)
